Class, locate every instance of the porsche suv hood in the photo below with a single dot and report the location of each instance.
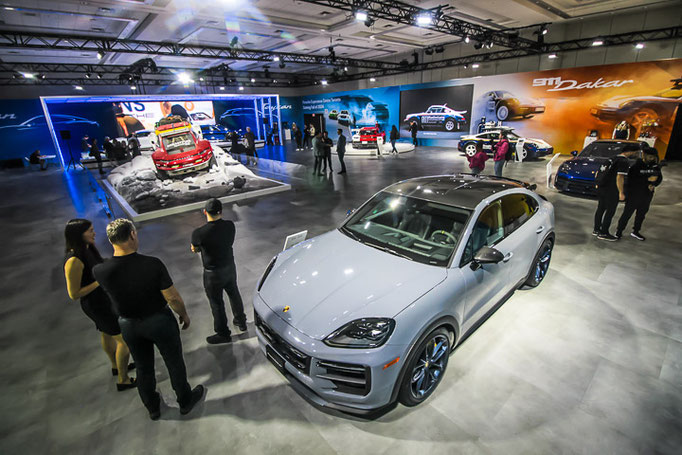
(333, 279)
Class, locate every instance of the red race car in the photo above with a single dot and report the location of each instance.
(366, 137)
(180, 152)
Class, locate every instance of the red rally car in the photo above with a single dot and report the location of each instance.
(366, 137)
(180, 152)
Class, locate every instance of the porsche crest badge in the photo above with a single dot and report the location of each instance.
(286, 308)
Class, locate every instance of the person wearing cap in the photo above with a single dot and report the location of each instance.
(643, 177)
(214, 241)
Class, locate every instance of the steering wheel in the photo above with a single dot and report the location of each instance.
(447, 235)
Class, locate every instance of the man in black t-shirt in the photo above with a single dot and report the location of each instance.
(141, 290)
(644, 176)
(611, 189)
(214, 241)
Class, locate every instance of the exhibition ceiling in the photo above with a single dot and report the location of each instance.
(270, 39)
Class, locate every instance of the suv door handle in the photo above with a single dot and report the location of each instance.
(539, 230)
(507, 257)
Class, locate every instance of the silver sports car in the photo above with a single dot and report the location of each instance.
(368, 314)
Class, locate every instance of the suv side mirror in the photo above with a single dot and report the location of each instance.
(486, 255)
(574, 153)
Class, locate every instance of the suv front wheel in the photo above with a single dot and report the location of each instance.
(426, 368)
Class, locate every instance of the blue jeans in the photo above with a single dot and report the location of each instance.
(393, 144)
(498, 168)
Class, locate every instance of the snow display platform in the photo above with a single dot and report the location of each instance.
(143, 196)
(402, 147)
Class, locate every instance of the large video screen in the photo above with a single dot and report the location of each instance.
(442, 112)
(149, 112)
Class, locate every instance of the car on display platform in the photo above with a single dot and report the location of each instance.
(180, 152)
(639, 110)
(579, 174)
(532, 148)
(201, 118)
(333, 114)
(367, 314)
(216, 134)
(345, 118)
(366, 137)
(506, 105)
(438, 116)
(147, 139)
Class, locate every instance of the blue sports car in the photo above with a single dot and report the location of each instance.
(578, 174)
(216, 134)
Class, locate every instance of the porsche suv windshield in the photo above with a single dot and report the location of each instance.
(412, 228)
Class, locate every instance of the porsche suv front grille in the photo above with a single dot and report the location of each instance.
(292, 355)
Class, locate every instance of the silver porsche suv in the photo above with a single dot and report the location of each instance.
(368, 313)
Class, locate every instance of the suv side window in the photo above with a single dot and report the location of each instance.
(516, 210)
(487, 231)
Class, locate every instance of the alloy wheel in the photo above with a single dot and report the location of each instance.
(430, 366)
(542, 264)
(449, 125)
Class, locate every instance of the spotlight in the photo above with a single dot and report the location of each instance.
(241, 88)
(371, 37)
(184, 78)
(41, 76)
(439, 49)
(423, 20)
(77, 87)
(87, 75)
(201, 79)
(478, 45)
(99, 75)
(544, 30)
(253, 80)
(282, 64)
(274, 81)
(345, 68)
(323, 81)
(466, 66)
(275, 59)
(639, 46)
(100, 55)
(466, 39)
(371, 79)
(222, 88)
(475, 65)
(361, 16)
(597, 42)
(552, 56)
(28, 75)
(133, 88)
(428, 51)
(369, 22)
(490, 44)
(234, 41)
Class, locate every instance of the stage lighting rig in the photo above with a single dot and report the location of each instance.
(428, 51)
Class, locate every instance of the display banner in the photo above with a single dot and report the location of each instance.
(443, 112)
(350, 110)
(23, 129)
(150, 112)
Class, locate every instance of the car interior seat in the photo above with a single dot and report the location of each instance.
(415, 222)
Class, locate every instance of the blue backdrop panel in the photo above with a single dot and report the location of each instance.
(238, 114)
(23, 129)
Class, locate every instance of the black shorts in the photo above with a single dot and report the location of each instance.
(98, 308)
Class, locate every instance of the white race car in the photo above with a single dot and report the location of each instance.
(346, 118)
(532, 148)
(438, 116)
(147, 139)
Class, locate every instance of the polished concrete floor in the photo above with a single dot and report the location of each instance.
(590, 362)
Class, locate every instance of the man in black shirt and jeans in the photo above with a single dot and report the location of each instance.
(611, 189)
(141, 290)
(214, 241)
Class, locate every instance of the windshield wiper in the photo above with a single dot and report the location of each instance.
(348, 232)
(390, 251)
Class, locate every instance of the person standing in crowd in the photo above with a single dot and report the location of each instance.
(142, 290)
(36, 158)
(328, 143)
(251, 146)
(414, 129)
(94, 151)
(318, 152)
(313, 132)
(394, 137)
(234, 140)
(477, 160)
(306, 137)
(298, 136)
(500, 155)
(643, 177)
(341, 150)
(81, 256)
(214, 241)
(610, 190)
(108, 148)
(134, 145)
(85, 145)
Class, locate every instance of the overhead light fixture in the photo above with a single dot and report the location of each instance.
(77, 87)
(597, 42)
(439, 49)
(478, 45)
(371, 79)
(275, 58)
(133, 88)
(28, 75)
(253, 80)
(282, 64)
(371, 37)
(324, 81)
(234, 41)
(544, 30)
(41, 76)
(467, 39)
(428, 51)
(9, 8)
(345, 68)
(241, 88)
(222, 88)
(100, 55)
(552, 56)
(87, 75)
(274, 81)
(201, 79)
(99, 75)
(639, 46)
(184, 78)
(466, 66)
(369, 22)
(361, 16)
(424, 19)
(415, 58)
(475, 65)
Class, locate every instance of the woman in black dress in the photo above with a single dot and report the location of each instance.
(81, 257)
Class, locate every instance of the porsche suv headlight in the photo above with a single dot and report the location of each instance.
(362, 333)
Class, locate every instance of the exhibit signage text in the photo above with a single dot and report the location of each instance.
(569, 84)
